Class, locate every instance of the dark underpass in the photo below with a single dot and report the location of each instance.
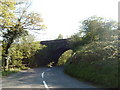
(53, 50)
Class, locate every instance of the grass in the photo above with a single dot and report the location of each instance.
(102, 73)
(12, 70)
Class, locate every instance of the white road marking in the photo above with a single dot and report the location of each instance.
(42, 75)
(45, 85)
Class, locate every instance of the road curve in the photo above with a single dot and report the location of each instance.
(56, 78)
(43, 78)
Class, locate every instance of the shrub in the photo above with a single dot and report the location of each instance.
(23, 53)
(95, 51)
(103, 73)
(95, 55)
(64, 57)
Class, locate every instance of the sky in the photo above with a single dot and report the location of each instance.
(64, 16)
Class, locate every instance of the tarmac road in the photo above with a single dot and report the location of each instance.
(53, 77)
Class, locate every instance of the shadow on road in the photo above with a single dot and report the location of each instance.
(32, 78)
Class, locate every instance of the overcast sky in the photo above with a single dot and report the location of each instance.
(63, 16)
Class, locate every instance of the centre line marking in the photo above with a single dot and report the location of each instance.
(45, 85)
(42, 74)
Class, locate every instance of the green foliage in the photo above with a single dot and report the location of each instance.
(94, 29)
(65, 57)
(6, 14)
(23, 53)
(75, 41)
(50, 64)
(10, 71)
(24, 67)
(14, 20)
(0, 55)
(95, 57)
(95, 51)
(99, 28)
(60, 36)
(103, 73)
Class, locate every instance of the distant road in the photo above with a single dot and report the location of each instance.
(43, 78)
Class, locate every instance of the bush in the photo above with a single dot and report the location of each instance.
(95, 51)
(23, 53)
(96, 62)
(95, 55)
(10, 71)
(103, 73)
(64, 57)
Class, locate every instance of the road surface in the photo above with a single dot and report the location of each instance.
(53, 77)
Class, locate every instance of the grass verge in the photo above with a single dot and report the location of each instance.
(102, 73)
(12, 70)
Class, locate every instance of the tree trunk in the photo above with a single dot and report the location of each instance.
(6, 51)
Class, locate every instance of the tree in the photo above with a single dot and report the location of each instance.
(6, 14)
(21, 54)
(94, 29)
(17, 26)
(60, 36)
(97, 28)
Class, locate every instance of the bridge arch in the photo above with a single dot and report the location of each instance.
(59, 52)
(53, 51)
(65, 57)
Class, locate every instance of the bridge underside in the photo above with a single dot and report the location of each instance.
(52, 52)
